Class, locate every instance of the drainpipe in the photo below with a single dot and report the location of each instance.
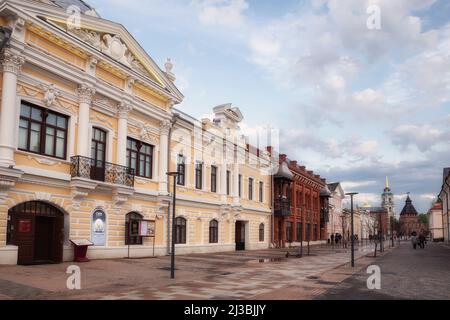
(175, 117)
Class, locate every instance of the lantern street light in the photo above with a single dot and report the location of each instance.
(5, 35)
(351, 194)
(172, 258)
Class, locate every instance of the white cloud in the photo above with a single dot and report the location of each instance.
(223, 13)
(423, 136)
(347, 185)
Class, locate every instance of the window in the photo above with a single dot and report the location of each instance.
(42, 131)
(213, 231)
(308, 232)
(261, 232)
(180, 230)
(261, 191)
(228, 182)
(240, 185)
(315, 232)
(213, 179)
(181, 169)
(250, 188)
(299, 231)
(132, 224)
(140, 158)
(289, 231)
(199, 175)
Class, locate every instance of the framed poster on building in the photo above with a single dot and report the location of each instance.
(99, 228)
(147, 228)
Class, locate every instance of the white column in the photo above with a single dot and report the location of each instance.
(163, 155)
(85, 95)
(11, 65)
(124, 109)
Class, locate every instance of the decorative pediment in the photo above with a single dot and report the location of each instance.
(112, 45)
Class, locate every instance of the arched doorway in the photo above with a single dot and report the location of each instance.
(37, 228)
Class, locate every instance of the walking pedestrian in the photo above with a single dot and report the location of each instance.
(422, 241)
(414, 240)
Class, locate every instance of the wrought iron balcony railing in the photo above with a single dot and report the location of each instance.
(282, 207)
(83, 167)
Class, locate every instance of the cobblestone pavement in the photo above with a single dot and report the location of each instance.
(405, 274)
(263, 274)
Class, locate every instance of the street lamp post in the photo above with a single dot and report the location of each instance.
(172, 257)
(351, 194)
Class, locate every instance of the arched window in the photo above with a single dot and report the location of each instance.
(131, 222)
(213, 231)
(261, 232)
(180, 230)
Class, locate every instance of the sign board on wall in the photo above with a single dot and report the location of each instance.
(24, 226)
(99, 228)
(147, 228)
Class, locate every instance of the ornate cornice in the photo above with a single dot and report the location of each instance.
(85, 94)
(12, 62)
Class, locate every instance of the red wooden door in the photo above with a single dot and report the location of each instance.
(24, 226)
(58, 239)
(43, 236)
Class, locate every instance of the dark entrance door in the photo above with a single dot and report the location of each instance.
(98, 154)
(43, 236)
(37, 228)
(240, 235)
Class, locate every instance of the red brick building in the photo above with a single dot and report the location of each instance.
(409, 220)
(298, 204)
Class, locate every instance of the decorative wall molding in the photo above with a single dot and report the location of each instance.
(102, 119)
(45, 161)
(50, 94)
(43, 196)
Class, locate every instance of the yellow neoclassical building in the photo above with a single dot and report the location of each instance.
(88, 131)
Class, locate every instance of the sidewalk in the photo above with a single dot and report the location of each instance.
(262, 274)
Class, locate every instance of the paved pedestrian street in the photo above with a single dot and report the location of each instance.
(405, 274)
(251, 275)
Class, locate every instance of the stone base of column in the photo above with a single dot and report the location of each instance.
(7, 156)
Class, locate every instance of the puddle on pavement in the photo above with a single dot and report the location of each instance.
(257, 261)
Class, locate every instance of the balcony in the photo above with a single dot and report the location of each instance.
(87, 168)
(282, 207)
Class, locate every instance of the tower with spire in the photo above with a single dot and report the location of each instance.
(387, 201)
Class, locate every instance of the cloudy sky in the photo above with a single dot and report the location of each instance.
(354, 104)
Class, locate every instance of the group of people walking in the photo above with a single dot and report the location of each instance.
(418, 240)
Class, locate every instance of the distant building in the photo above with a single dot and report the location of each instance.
(376, 220)
(409, 219)
(435, 222)
(444, 195)
(387, 202)
(335, 211)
